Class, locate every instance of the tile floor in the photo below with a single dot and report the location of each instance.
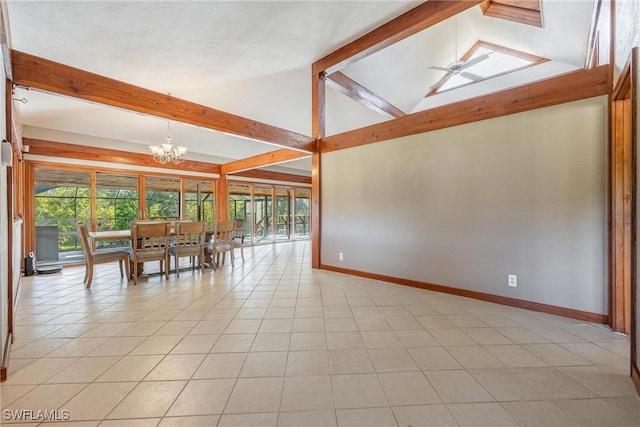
(276, 343)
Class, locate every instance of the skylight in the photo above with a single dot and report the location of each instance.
(500, 60)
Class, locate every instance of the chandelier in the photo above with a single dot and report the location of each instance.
(167, 153)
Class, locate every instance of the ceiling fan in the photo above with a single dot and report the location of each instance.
(458, 67)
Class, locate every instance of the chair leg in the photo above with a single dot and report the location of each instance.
(167, 265)
(86, 272)
(120, 264)
(242, 252)
(232, 257)
(135, 273)
(127, 269)
(90, 278)
(177, 266)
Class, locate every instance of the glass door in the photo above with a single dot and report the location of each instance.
(62, 198)
(199, 201)
(283, 214)
(241, 207)
(117, 204)
(262, 201)
(302, 213)
(163, 198)
(289, 218)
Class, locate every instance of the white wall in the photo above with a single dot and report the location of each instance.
(4, 227)
(464, 207)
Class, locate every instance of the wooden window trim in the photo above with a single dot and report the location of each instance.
(522, 12)
(507, 51)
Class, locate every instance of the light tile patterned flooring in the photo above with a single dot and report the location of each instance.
(276, 343)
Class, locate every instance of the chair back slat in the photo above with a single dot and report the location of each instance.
(83, 234)
(190, 233)
(224, 229)
(150, 237)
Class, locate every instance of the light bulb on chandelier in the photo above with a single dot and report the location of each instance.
(167, 153)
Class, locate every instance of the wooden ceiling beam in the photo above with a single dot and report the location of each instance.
(82, 152)
(417, 19)
(354, 90)
(42, 74)
(273, 176)
(262, 160)
(568, 87)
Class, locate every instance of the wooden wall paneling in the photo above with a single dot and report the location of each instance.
(633, 94)
(568, 87)
(622, 204)
(42, 74)
(628, 206)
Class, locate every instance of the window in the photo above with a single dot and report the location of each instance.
(163, 198)
(199, 201)
(290, 221)
(116, 201)
(500, 60)
(62, 198)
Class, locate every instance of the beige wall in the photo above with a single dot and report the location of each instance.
(466, 206)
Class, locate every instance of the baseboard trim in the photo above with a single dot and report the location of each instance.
(635, 377)
(513, 302)
(5, 358)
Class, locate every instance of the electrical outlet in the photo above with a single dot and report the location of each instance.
(341, 256)
(513, 281)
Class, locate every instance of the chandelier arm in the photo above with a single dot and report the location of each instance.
(167, 153)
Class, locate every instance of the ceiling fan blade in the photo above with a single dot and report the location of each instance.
(471, 76)
(440, 69)
(476, 60)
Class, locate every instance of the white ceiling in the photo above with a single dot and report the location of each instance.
(254, 59)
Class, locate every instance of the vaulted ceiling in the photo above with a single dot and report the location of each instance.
(254, 59)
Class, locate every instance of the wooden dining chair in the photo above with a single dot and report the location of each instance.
(221, 242)
(150, 242)
(100, 256)
(238, 236)
(188, 241)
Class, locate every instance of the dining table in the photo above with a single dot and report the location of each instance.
(110, 235)
(100, 236)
